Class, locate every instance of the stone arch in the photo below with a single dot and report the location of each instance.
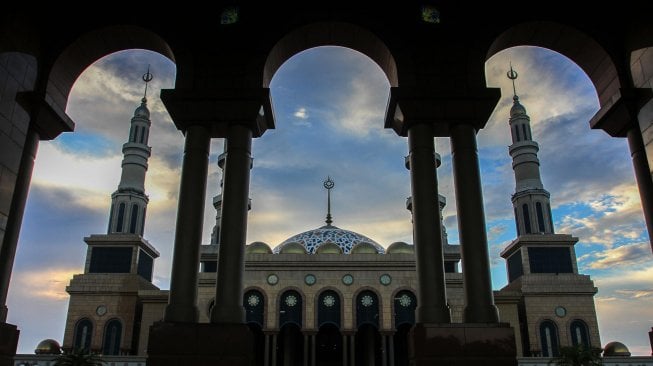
(585, 51)
(303, 304)
(379, 298)
(331, 34)
(90, 47)
(316, 304)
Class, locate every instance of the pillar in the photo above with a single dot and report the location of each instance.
(642, 176)
(235, 198)
(384, 350)
(266, 355)
(313, 345)
(477, 284)
(344, 350)
(274, 350)
(391, 350)
(427, 235)
(352, 348)
(307, 339)
(16, 211)
(188, 235)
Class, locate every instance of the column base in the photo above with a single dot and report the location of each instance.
(180, 344)
(462, 345)
(8, 343)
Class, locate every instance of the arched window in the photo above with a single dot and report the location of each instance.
(290, 309)
(548, 208)
(138, 130)
(143, 221)
(121, 217)
(132, 134)
(110, 218)
(405, 304)
(112, 337)
(579, 333)
(133, 219)
(525, 133)
(83, 335)
(517, 133)
(328, 309)
(254, 304)
(540, 217)
(517, 222)
(367, 309)
(527, 218)
(142, 135)
(549, 339)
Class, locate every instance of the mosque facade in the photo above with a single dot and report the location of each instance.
(330, 296)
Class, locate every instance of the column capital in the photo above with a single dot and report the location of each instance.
(217, 109)
(47, 121)
(618, 114)
(409, 106)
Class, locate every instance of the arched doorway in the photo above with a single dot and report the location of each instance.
(368, 339)
(290, 344)
(328, 342)
(254, 304)
(404, 306)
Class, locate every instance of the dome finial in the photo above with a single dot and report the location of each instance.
(512, 75)
(329, 184)
(147, 77)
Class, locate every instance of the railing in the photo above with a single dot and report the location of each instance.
(48, 360)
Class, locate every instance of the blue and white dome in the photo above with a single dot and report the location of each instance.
(313, 239)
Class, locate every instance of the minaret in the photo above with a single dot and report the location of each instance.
(530, 201)
(129, 202)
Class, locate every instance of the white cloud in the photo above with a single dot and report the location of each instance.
(301, 113)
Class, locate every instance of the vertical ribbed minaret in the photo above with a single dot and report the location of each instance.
(129, 202)
(531, 200)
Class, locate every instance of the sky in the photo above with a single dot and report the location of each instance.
(329, 107)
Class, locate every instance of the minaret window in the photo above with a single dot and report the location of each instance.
(112, 337)
(138, 129)
(83, 335)
(143, 221)
(132, 134)
(549, 339)
(517, 133)
(110, 219)
(121, 217)
(133, 219)
(548, 210)
(540, 217)
(525, 133)
(517, 222)
(527, 218)
(142, 135)
(579, 334)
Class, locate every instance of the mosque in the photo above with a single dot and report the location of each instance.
(330, 296)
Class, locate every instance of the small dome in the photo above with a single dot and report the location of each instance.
(142, 110)
(329, 248)
(258, 247)
(292, 248)
(517, 108)
(48, 347)
(617, 349)
(313, 239)
(400, 247)
(364, 248)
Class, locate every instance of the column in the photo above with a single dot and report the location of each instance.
(384, 350)
(642, 176)
(344, 350)
(188, 235)
(427, 234)
(391, 350)
(274, 350)
(307, 339)
(16, 211)
(352, 348)
(235, 198)
(266, 355)
(313, 345)
(471, 227)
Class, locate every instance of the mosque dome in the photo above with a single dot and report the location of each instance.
(517, 109)
(258, 247)
(48, 347)
(617, 349)
(142, 110)
(400, 247)
(311, 240)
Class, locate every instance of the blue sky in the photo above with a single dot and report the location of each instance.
(329, 105)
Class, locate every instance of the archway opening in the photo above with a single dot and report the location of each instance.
(290, 345)
(328, 346)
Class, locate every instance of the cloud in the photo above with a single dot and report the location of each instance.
(47, 284)
(301, 113)
(623, 256)
(636, 294)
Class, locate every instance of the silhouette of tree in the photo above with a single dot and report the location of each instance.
(578, 356)
(78, 358)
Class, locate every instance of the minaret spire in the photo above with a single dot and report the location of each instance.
(329, 184)
(129, 201)
(530, 201)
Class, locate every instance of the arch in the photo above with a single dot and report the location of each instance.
(258, 247)
(291, 304)
(329, 248)
(329, 305)
(293, 248)
(90, 47)
(83, 335)
(364, 248)
(328, 345)
(121, 217)
(254, 304)
(549, 340)
(367, 308)
(540, 217)
(579, 333)
(330, 34)
(404, 305)
(586, 52)
(527, 218)
(112, 339)
(400, 247)
(133, 219)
